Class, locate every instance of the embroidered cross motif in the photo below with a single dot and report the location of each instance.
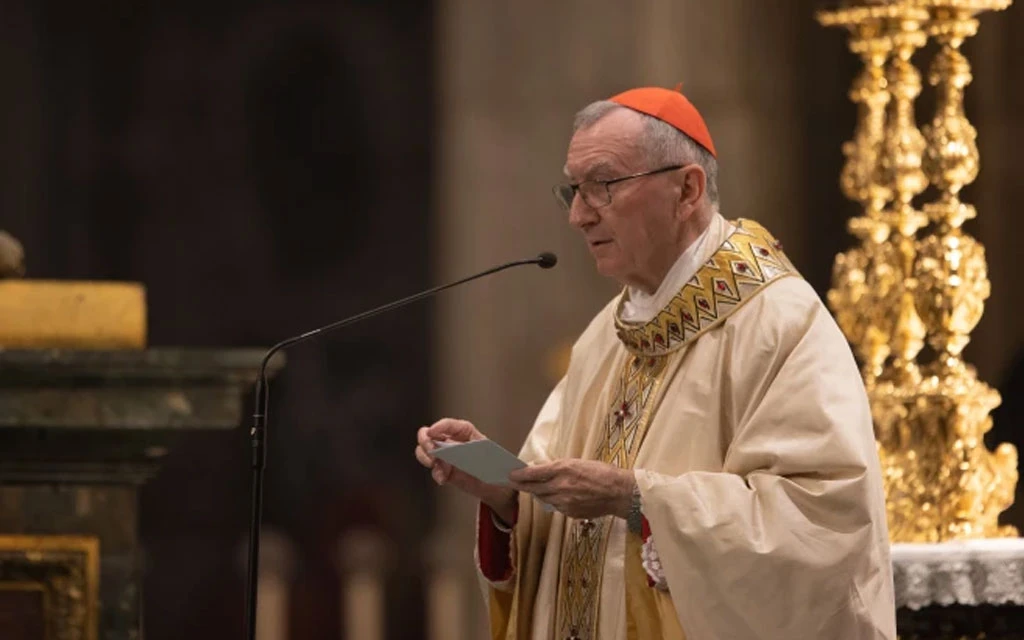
(622, 414)
(625, 424)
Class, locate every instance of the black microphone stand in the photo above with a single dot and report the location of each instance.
(258, 433)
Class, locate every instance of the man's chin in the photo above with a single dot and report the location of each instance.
(607, 268)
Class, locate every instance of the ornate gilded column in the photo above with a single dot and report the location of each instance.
(862, 276)
(903, 147)
(901, 288)
(894, 395)
(952, 287)
(872, 294)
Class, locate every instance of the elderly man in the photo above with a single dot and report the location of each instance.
(706, 468)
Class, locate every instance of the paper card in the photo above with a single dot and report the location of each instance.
(485, 460)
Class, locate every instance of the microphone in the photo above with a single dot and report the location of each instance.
(257, 434)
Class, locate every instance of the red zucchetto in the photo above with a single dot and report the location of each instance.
(671, 107)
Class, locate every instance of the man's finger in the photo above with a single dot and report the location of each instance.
(425, 459)
(442, 472)
(424, 439)
(450, 428)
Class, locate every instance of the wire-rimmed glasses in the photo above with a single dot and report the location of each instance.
(596, 192)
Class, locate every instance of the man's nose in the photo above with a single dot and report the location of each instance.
(581, 214)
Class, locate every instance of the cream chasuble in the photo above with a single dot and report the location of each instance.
(743, 414)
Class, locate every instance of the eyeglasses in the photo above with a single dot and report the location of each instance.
(596, 192)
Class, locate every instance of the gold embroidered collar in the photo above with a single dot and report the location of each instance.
(747, 260)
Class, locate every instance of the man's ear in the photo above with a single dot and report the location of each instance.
(693, 185)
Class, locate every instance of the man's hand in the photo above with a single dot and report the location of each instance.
(501, 500)
(579, 488)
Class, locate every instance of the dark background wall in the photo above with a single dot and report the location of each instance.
(263, 167)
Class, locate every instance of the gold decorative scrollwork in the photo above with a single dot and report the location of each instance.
(861, 278)
(916, 276)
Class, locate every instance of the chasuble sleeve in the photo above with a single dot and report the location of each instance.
(788, 539)
(495, 548)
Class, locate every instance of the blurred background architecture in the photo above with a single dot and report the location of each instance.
(264, 167)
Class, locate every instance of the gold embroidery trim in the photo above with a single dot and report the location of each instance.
(748, 259)
(625, 427)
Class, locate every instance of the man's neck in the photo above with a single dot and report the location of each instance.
(687, 238)
(640, 305)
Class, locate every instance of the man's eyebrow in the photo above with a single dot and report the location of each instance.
(595, 169)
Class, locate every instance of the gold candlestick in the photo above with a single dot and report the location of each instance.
(951, 268)
(895, 290)
(894, 394)
(903, 148)
(972, 485)
(862, 276)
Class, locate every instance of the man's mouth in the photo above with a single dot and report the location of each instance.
(598, 243)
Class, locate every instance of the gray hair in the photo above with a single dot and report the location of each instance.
(662, 143)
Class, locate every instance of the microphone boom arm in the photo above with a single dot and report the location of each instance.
(261, 399)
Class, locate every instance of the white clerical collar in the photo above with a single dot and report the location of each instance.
(640, 306)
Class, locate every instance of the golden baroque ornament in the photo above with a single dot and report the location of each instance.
(917, 276)
(863, 291)
(952, 288)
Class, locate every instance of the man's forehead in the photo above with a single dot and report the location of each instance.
(611, 143)
(588, 161)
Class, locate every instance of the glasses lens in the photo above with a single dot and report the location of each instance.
(595, 194)
(564, 193)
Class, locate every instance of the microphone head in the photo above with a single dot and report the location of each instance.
(547, 260)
